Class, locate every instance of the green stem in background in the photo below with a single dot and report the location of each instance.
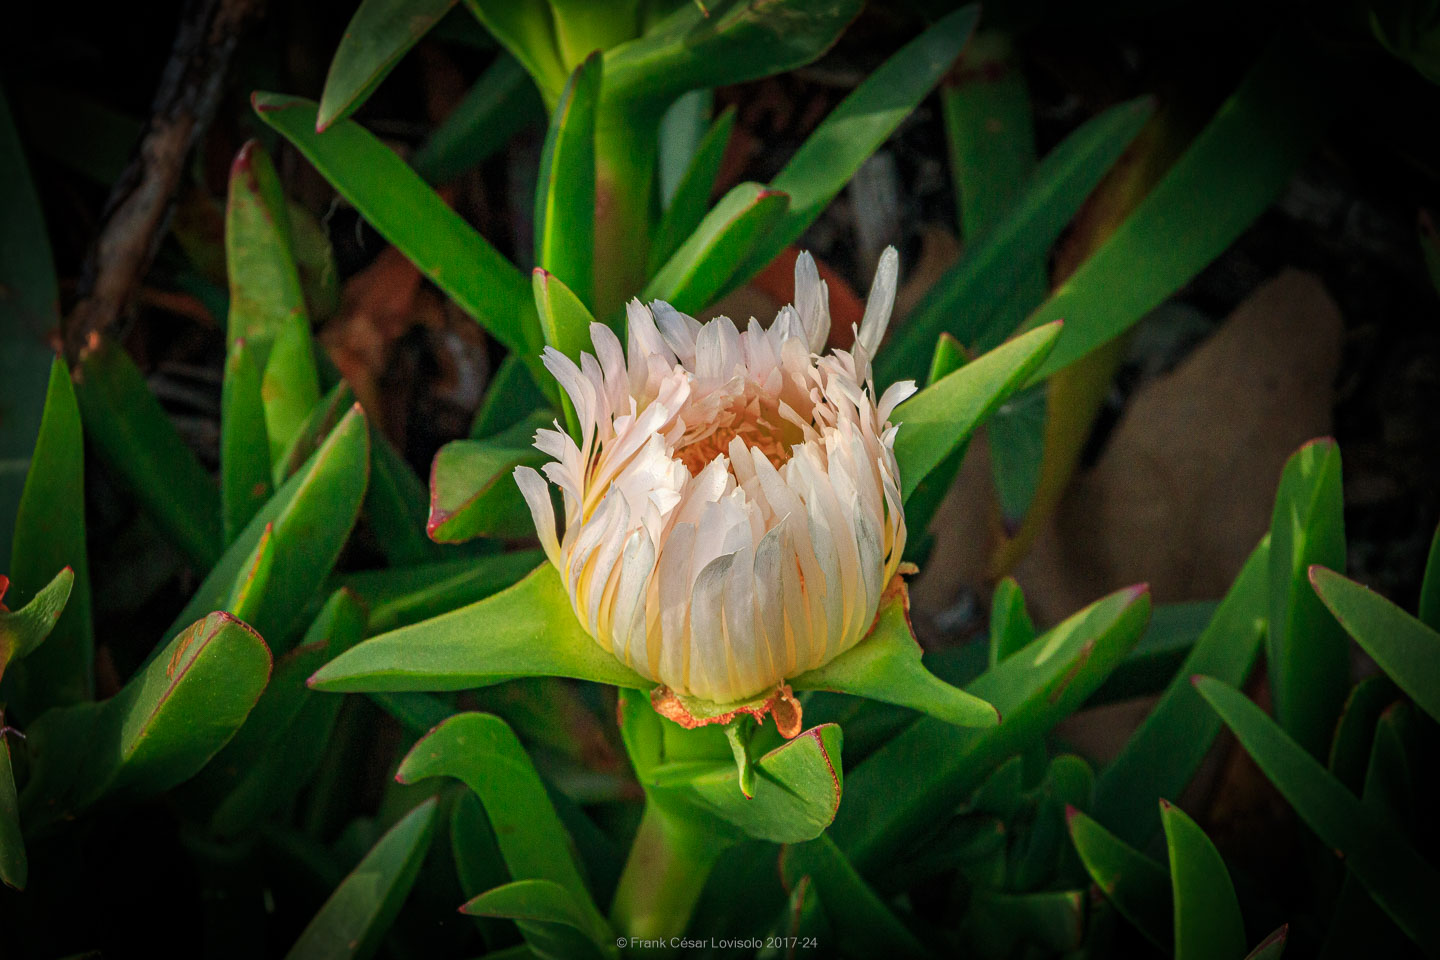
(664, 875)
(626, 147)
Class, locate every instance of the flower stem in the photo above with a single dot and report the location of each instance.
(669, 863)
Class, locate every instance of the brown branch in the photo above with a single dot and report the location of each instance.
(142, 200)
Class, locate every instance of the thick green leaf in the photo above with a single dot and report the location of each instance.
(903, 786)
(406, 212)
(857, 127)
(49, 536)
(478, 863)
(482, 752)
(1308, 656)
(1011, 628)
(866, 924)
(1161, 757)
(399, 596)
(472, 490)
(354, 921)
(245, 482)
(564, 320)
(692, 194)
(311, 516)
(502, 102)
(527, 31)
(132, 434)
(1429, 610)
(248, 591)
(1403, 884)
(1358, 927)
(284, 739)
(940, 418)
(1208, 925)
(29, 310)
(565, 191)
(320, 424)
(290, 387)
(968, 294)
(528, 630)
(21, 631)
(797, 785)
(380, 33)
(1135, 884)
(717, 44)
(1173, 632)
(700, 270)
(930, 492)
(1406, 649)
(1229, 175)
(162, 727)
(1350, 750)
(554, 924)
(886, 666)
(14, 866)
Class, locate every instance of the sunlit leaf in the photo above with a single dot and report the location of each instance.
(245, 482)
(472, 487)
(692, 194)
(399, 596)
(940, 418)
(565, 192)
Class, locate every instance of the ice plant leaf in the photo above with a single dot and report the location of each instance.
(1402, 883)
(132, 434)
(692, 194)
(857, 127)
(245, 482)
(1272, 947)
(1307, 653)
(267, 302)
(717, 44)
(886, 666)
(565, 193)
(472, 493)
(551, 921)
(29, 310)
(311, 516)
(930, 492)
(1148, 669)
(399, 596)
(564, 320)
(22, 630)
(1207, 914)
(482, 752)
(284, 738)
(159, 730)
(528, 630)
(248, 590)
(502, 102)
(527, 32)
(50, 536)
(478, 864)
(1406, 649)
(354, 920)
(797, 789)
(1350, 750)
(699, 271)
(1234, 170)
(1137, 886)
(904, 785)
(969, 293)
(864, 921)
(1161, 757)
(941, 417)
(377, 36)
(406, 212)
